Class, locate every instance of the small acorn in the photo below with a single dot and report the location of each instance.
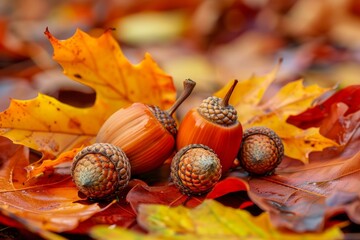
(100, 171)
(261, 151)
(144, 132)
(195, 169)
(214, 124)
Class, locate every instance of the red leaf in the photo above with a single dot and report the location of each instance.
(315, 115)
(224, 190)
(338, 125)
(227, 185)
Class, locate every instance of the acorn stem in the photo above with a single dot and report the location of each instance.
(225, 101)
(188, 87)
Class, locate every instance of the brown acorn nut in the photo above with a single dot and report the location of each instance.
(100, 171)
(261, 151)
(145, 133)
(195, 169)
(214, 123)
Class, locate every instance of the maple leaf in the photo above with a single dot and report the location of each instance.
(292, 99)
(210, 220)
(52, 127)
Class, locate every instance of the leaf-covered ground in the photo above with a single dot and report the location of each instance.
(314, 193)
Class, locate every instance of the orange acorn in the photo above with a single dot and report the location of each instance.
(144, 132)
(214, 123)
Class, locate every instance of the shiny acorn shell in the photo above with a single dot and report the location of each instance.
(146, 142)
(224, 140)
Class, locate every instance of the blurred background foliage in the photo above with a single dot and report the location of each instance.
(210, 41)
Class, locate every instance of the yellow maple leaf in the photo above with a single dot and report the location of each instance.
(210, 220)
(52, 127)
(291, 99)
(100, 64)
(248, 93)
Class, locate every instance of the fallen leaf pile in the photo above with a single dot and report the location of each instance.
(318, 180)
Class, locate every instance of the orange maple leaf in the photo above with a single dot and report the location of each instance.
(52, 127)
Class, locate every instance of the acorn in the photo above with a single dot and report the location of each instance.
(195, 169)
(100, 171)
(261, 151)
(215, 124)
(144, 132)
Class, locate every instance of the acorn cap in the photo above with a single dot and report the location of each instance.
(165, 116)
(219, 110)
(165, 119)
(261, 151)
(101, 170)
(195, 169)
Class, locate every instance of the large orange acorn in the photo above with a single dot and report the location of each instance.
(214, 124)
(144, 132)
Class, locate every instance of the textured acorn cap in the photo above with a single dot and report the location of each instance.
(195, 169)
(212, 110)
(219, 110)
(261, 151)
(101, 170)
(165, 119)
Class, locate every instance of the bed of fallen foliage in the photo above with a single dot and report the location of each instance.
(298, 75)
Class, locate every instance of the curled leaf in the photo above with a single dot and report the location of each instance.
(314, 116)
